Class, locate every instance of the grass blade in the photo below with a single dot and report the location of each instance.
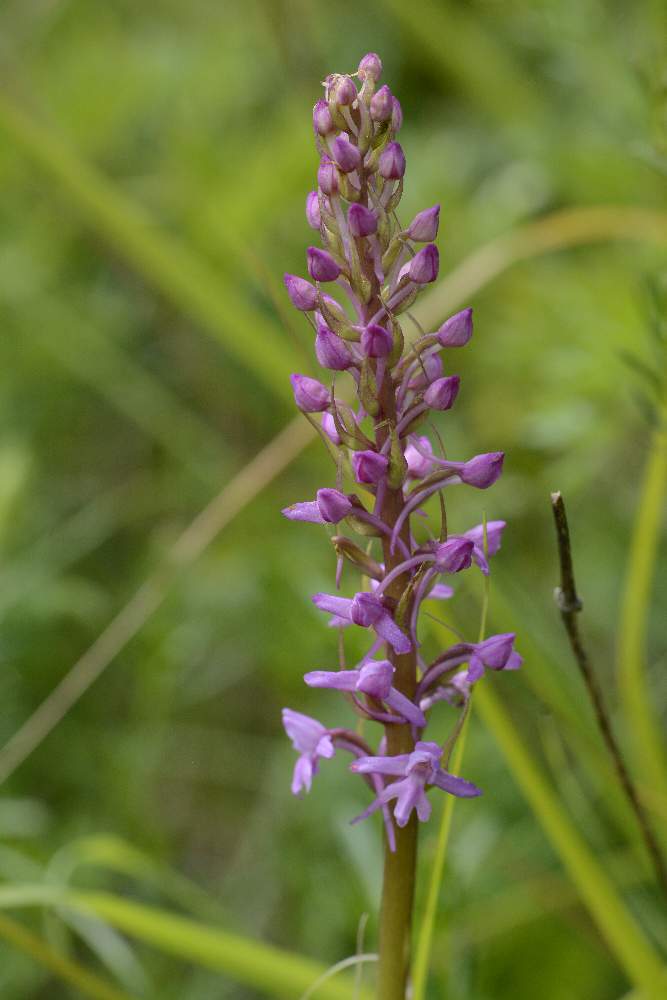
(643, 731)
(92, 357)
(624, 937)
(427, 926)
(86, 983)
(208, 297)
(132, 617)
(260, 966)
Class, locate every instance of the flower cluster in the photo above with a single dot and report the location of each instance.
(371, 424)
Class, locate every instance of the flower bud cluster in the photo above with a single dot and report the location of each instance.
(378, 268)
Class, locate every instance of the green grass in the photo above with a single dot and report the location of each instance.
(153, 167)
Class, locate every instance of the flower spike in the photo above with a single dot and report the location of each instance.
(381, 389)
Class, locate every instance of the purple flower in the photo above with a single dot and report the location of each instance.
(424, 226)
(382, 105)
(457, 330)
(321, 265)
(311, 740)
(416, 770)
(494, 531)
(327, 176)
(370, 67)
(483, 470)
(331, 351)
(374, 679)
(496, 653)
(368, 611)
(302, 294)
(361, 220)
(441, 394)
(424, 265)
(392, 162)
(419, 465)
(322, 120)
(345, 153)
(428, 371)
(330, 507)
(309, 394)
(313, 210)
(376, 342)
(369, 467)
(454, 555)
(381, 269)
(341, 89)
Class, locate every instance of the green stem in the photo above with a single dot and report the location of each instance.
(396, 913)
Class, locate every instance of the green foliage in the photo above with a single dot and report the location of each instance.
(154, 160)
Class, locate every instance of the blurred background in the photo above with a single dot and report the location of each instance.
(154, 161)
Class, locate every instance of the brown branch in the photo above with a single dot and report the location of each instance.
(569, 605)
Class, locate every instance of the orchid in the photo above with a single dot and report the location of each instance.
(311, 741)
(416, 770)
(372, 413)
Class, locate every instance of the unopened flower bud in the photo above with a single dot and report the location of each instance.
(382, 104)
(457, 330)
(345, 153)
(454, 555)
(331, 351)
(396, 115)
(429, 370)
(441, 394)
(496, 650)
(392, 162)
(424, 226)
(309, 394)
(321, 265)
(425, 264)
(376, 342)
(369, 467)
(327, 176)
(342, 90)
(483, 470)
(302, 294)
(322, 120)
(313, 210)
(361, 221)
(370, 67)
(334, 506)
